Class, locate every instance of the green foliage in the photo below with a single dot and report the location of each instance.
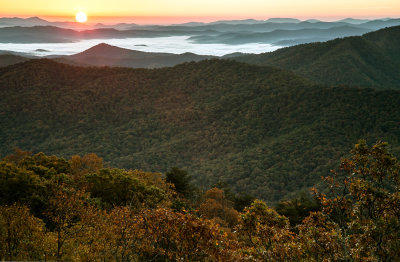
(298, 208)
(117, 187)
(262, 131)
(371, 60)
(30, 179)
(17, 184)
(241, 201)
(33, 179)
(180, 179)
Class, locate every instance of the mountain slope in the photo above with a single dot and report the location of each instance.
(262, 130)
(107, 55)
(370, 60)
(10, 59)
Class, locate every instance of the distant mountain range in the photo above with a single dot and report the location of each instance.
(16, 21)
(281, 37)
(274, 31)
(36, 21)
(51, 34)
(371, 60)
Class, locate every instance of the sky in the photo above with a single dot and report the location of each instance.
(199, 10)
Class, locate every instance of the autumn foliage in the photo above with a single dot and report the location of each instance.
(77, 210)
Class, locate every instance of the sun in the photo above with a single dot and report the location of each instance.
(81, 17)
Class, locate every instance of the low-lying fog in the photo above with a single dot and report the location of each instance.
(173, 44)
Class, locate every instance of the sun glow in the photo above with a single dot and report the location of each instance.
(173, 11)
(81, 17)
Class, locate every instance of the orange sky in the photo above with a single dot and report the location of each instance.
(201, 10)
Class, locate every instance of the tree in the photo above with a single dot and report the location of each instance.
(17, 156)
(216, 206)
(16, 184)
(320, 239)
(112, 236)
(116, 187)
(364, 203)
(161, 234)
(23, 236)
(180, 179)
(65, 213)
(240, 200)
(266, 235)
(183, 237)
(297, 209)
(89, 163)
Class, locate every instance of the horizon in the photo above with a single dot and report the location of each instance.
(178, 11)
(168, 20)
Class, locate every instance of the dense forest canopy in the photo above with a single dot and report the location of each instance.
(261, 130)
(371, 60)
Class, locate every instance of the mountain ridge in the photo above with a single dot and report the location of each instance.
(369, 60)
(108, 55)
(56, 33)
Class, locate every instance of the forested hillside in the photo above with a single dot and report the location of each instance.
(371, 60)
(261, 130)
